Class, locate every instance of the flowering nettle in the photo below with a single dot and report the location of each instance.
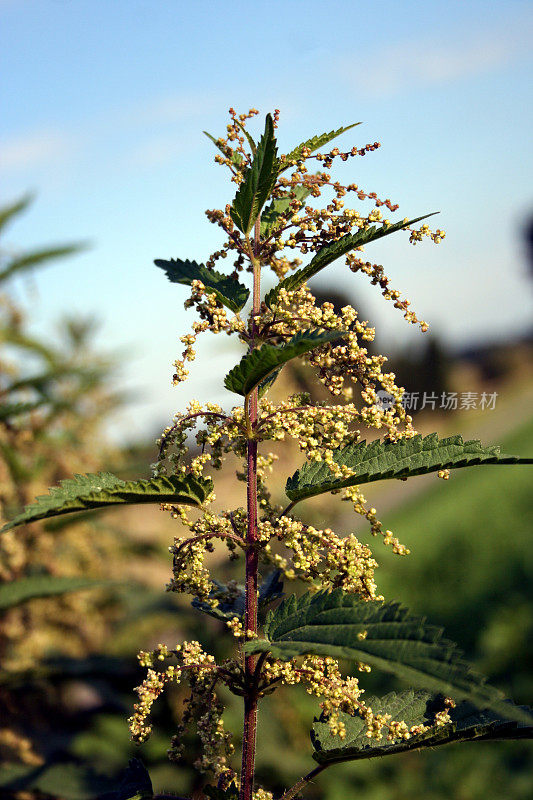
(285, 319)
(275, 218)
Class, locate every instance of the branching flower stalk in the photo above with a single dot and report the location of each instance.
(341, 616)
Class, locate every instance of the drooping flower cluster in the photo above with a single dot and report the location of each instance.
(202, 674)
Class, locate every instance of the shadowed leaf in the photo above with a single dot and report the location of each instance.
(135, 784)
(213, 793)
(228, 291)
(383, 635)
(414, 707)
(20, 591)
(67, 781)
(231, 602)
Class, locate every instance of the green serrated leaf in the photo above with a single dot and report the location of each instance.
(256, 366)
(104, 489)
(314, 143)
(414, 707)
(331, 252)
(392, 639)
(384, 460)
(228, 291)
(236, 157)
(20, 591)
(279, 207)
(259, 180)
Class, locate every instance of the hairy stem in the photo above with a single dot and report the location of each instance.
(302, 783)
(252, 558)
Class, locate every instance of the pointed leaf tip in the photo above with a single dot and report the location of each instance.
(331, 252)
(313, 144)
(258, 182)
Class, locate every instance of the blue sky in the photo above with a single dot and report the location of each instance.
(103, 107)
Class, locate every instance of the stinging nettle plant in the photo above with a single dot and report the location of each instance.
(341, 618)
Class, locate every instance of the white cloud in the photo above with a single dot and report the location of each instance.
(416, 64)
(44, 147)
(35, 149)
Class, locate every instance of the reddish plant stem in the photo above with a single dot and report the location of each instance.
(252, 560)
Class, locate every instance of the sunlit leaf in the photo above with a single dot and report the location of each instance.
(314, 143)
(384, 460)
(259, 180)
(236, 157)
(331, 252)
(280, 207)
(104, 489)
